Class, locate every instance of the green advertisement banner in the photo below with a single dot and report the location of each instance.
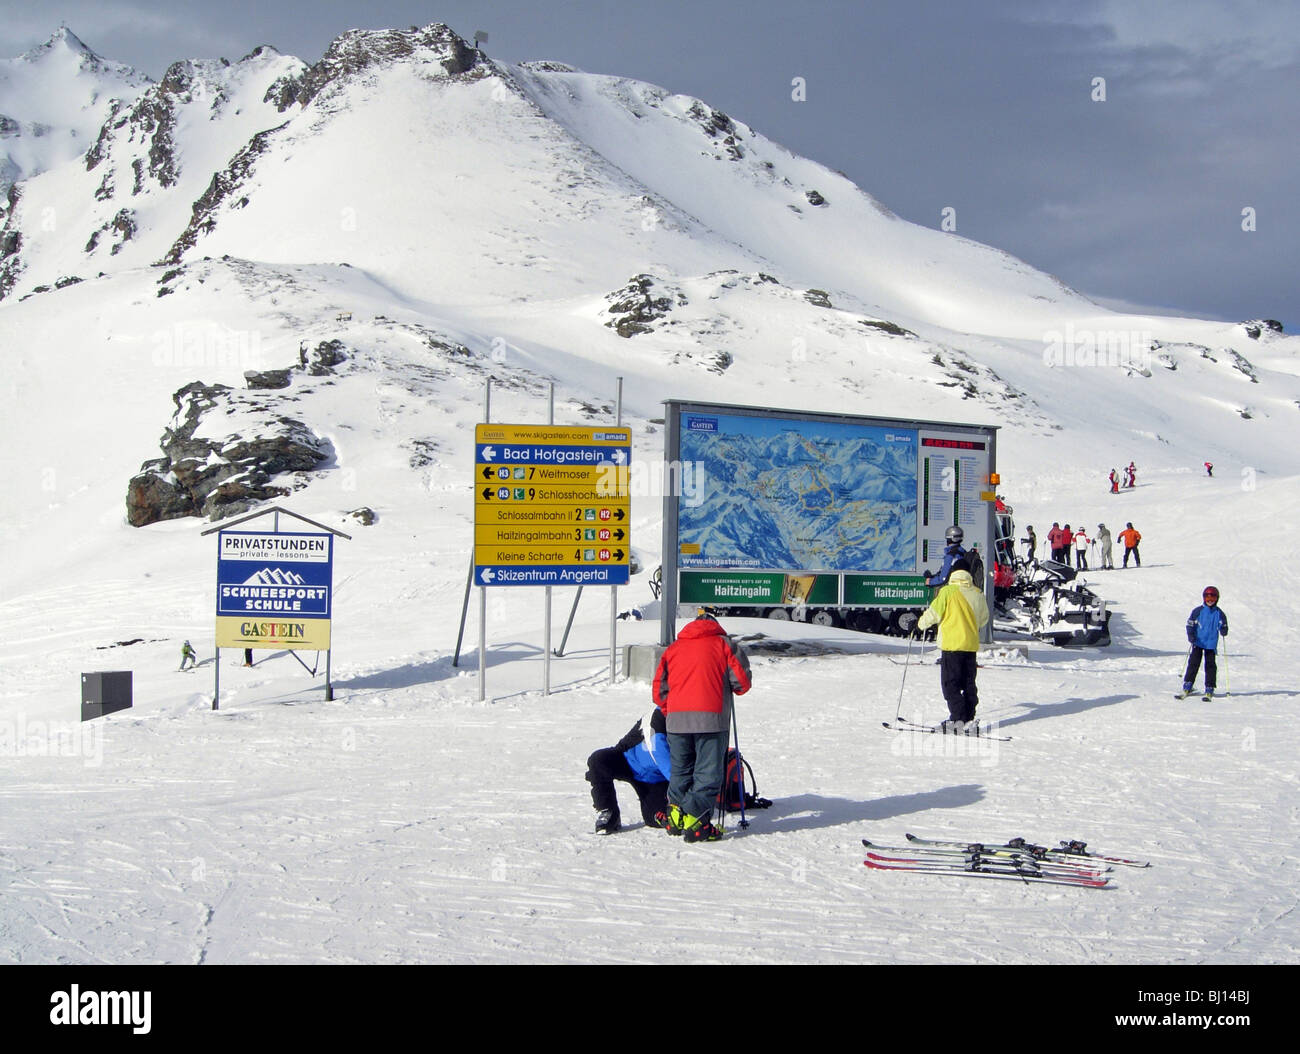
(758, 588)
(886, 591)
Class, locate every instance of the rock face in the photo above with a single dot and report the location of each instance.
(634, 308)
(208, 471)
(360, 49)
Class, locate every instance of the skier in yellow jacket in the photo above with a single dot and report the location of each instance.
(960, 612)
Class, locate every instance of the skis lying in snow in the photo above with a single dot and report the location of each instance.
(974, 731)
(1071, 850)
(1023, 870)
(993, 855)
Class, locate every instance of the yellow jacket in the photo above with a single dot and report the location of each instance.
(959, 610)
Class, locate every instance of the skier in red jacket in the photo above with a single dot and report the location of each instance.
(693, 685)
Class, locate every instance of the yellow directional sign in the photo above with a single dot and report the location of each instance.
(554, 500)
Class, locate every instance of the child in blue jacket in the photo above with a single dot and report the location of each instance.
(640, 758)
(1205, 625)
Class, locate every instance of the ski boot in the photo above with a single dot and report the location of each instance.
(699, 829)
(670, 821)
(608, 821)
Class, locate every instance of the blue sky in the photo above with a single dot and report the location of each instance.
(1124, 147)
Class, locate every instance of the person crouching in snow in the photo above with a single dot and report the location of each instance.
(960, 612)
(188, 655)
(640, 758)
(1205, 625)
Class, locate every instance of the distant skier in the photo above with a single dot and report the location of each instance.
(1114, 482)
(1030, 542)
(640, 758)
(1054, 540)
(1131, 475)
(1130, 537)
(952, 552)
(960, 612)
(1209, 468)
(1067, 544)
(188, 655)
(1205, 625)
(1081, 541)
(1104, 541)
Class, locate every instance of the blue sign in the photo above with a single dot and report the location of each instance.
(273, 575)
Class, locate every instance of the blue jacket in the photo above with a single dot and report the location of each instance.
(951, 554)
(648, 755)
(1205, 625)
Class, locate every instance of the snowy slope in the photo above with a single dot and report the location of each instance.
(454, 225)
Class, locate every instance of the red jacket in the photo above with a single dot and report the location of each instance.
(696, 677)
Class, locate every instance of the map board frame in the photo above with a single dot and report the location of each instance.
(949, 484)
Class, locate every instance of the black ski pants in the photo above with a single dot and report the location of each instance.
(1211, 667)
(957, 676)
(607, 765)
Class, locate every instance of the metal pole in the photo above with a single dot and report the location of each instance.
(613, 591)
(482, 590)
(569, 625)
(464, 610)
(216, 673)
(329, 688)
(546, 619)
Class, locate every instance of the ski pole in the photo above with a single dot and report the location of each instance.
(740, 772)
(1227, 687)
(899, 711)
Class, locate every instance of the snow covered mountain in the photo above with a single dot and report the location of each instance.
(337, 256)
(53, 101)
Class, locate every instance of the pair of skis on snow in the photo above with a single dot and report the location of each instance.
(1069, 864)
(973, 729)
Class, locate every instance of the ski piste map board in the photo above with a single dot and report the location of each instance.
(274, 590)
(551, 505)
(798, 508)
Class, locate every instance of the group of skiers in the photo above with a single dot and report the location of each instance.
(1130, 478)
(1062, 541)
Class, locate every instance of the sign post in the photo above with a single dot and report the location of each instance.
(551, 506)
(274, 589)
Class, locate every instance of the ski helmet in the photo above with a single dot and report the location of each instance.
(1210, 591)
(954, 535)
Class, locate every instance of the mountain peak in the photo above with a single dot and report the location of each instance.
(361, 49)
(62, 40)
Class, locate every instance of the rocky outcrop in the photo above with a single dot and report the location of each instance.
(718, 127)
(361, 49)
(206, 473)
(1256, 327)
(11, 243)
(223, 186)
(634, 308)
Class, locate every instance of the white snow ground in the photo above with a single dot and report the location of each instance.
(406, 822)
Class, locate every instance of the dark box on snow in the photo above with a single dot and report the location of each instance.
(105, 692)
